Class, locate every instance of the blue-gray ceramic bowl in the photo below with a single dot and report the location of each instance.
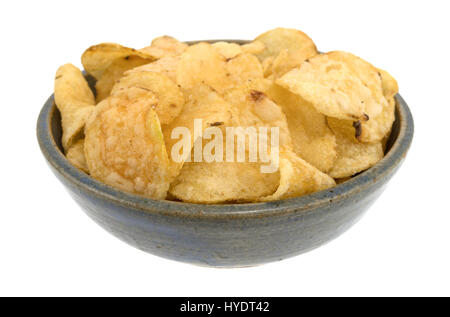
(233, 235)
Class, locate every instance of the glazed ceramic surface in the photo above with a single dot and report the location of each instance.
(225, 235)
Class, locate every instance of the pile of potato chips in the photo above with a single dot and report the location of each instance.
(334, 112)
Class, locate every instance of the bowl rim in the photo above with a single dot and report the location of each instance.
(303, 204)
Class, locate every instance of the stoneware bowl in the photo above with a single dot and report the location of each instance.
(225, 235)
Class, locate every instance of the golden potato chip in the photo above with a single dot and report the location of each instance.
(75, 155)
(339, 85)
(114, 72)
(203, 103)
(354, 157)
(252, 108)
(297, 178)
(202, 64)
(283, 63)
(267, 66)
(377, 127)
(227, 50)
(124, 145)
(171, 99)
(298, 44)
(165, 46)
(243, 69)
(71, 87)
(312, 139)
(75, 101)
(254, 47)
(218, 182)
(345, 127)
(96, 59)
(373, 130)
(166, 65)
(389, 84)
(239, 181)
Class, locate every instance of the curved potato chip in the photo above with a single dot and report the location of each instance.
(283, 63)
(297, 178)
(389, 84)
(166, 65)
(202, 64)
(218, 182)
(312, 139)
(75, 101)
(165, 46)
(377, 127)
(202, 102)
(339, 85)
(197, 181)
(267, 66)
(242, 69)
(96, 59)
(298, 44)
(373, 130)
(114, 72)
(354, 157)
(252, 108)
(227, 50)
(254, 47)
(171, 99)
(124, 145)
(75, 155)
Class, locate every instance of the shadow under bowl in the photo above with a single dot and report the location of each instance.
(226, 235)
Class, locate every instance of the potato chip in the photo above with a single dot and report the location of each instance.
(254, 47)
(202, 102)
(345, 127)
(114, 72)
(96, 59)
(166, 65)
(171, 99)
(283, 63)
(218, 182)
(298, 45)
(124, 145)
(354, 157)
(339, 85)
(267, 66)
(227, 50)
(297, 178)
(75, 101)
(239, 181)
(370, 131)
(312, 139)
(75, 155)
(165, 46)
(377, 128)
(202, 64)
(252, 108)
(389, 84)
(243, 69)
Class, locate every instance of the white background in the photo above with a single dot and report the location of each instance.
(48, 246)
